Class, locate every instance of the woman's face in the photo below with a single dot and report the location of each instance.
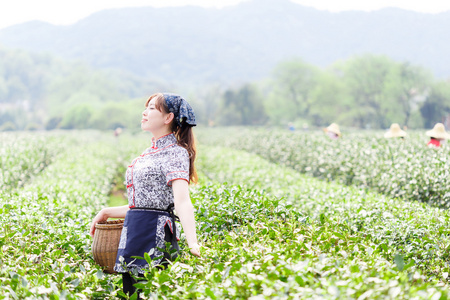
(152, 118)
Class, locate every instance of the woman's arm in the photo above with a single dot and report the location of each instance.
(185, 212)
(109, 212)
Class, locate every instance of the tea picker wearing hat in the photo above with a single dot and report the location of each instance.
(157, 183)
(437, 135)
(395, 131)
(333, 131)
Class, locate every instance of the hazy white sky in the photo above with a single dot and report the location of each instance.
(64, 12)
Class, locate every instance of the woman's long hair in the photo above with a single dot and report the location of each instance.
(185, 135)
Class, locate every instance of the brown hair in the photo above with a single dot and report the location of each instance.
(185, 135)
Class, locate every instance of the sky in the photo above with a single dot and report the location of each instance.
(66, 12)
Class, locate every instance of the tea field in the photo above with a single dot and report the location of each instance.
(279, 216)
(398, 168)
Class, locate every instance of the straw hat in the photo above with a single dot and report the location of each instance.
(438, 132)
(395, 131)
(334, 128)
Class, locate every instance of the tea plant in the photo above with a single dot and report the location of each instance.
(268, 232)
(44, 236)
(24, 156)
(415, 230)
(398, 168)
(279, 255)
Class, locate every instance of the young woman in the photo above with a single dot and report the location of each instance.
(157, 182)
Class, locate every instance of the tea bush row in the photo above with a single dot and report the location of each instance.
(45, 245)
(25, 155)
(398, 168)
(415, 230)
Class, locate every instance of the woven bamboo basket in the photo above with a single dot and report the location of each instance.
(106, 242)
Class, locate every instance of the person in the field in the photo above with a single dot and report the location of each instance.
(395, 132)
(157, 183)
(437, 135)
(333, 131)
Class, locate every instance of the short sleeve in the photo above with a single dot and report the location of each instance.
(177, 165)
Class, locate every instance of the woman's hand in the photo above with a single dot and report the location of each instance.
(195, 249)
(109, 212)
(100, 217)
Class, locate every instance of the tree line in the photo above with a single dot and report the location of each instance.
(38, 91)
(367, 91)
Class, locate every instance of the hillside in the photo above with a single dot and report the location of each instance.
(38, 90)
(237, 43)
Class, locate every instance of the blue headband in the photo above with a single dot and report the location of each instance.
(182, 111)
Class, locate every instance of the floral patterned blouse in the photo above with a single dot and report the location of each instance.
(149, 177)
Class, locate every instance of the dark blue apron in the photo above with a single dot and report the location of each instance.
(145, 229)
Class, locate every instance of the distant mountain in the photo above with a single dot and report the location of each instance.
(238, 43)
